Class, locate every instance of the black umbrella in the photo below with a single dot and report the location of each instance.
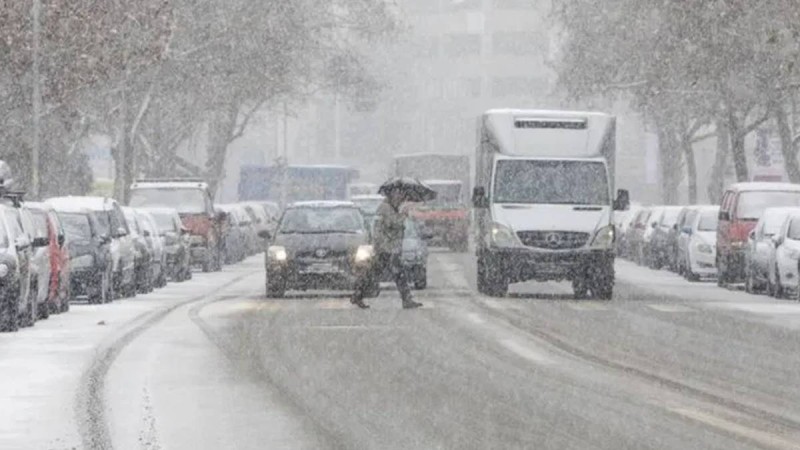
(412, 189)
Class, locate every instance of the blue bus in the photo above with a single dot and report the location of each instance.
(302, 183)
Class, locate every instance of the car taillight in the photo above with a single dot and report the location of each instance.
(739, 231)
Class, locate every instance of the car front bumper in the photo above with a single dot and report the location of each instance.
(323, 274)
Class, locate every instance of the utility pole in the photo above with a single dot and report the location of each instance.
(36, 101)
(337, 127)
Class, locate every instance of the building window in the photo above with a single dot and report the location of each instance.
(461, 45)
(519, 43)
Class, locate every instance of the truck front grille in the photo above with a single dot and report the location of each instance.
(553, 240)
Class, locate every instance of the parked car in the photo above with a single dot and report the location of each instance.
(176, 243)
(260, 221)
(112, 223)
(158, 263)
(43, 268)
(662, 240)
(273, 212)
(318, 245)
(623, 220)
(91, 261)
(697, 243)
(678, 238)
(247, 230)
(15, 270)
(59, 285)
(233, 239)
(646, 235)
(760, 252)
(783, 270)
(144, 253)
(741, 207)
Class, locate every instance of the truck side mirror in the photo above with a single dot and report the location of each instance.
(265, 234)
(623, 200)
(479, 198)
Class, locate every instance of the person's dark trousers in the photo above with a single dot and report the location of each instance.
(382, 262)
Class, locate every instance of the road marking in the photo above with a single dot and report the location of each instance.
(351, 327)
(761, 437)
(525, 352)
(587, 306)
(476, 318)
(760, 308)
(670, 308)
(334, 304)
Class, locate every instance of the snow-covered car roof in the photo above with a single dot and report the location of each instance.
(763, 186)
(91, 203)
(323, 204)
(170, 184)
(443, 182)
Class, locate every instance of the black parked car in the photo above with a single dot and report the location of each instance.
(662, 243)
(176, 243)
(90, 254)
(318, 245)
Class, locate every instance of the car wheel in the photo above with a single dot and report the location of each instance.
(10, 311)
(749, 282)
(777, 287)
(580, 288)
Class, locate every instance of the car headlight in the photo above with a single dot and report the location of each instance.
(4, 269)
(277, 253)
(705, 248)
(364, 253)
(604, 237)
(503, 236)
(83, 262)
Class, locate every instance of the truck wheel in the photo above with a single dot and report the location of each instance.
(490, 281)
(580, 289)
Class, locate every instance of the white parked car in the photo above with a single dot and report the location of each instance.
(701, 243)
(17, 303)
(159, 261)
(784, 271)
(760, 254)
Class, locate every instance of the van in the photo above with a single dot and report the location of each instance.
(740, 209)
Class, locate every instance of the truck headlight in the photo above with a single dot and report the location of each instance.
(277, 253)
(503, 236)
(364, 253)
(83, 262)
(604, 237)
(4, 269)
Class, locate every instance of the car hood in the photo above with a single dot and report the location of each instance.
(584, 219)
(334, 242)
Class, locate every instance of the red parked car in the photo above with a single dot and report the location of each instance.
(742, 206)
(59, 283)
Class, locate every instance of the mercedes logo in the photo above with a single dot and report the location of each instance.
(553, 240)
(321, 253)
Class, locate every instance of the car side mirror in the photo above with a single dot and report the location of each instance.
(777, 240)
(687, 230)
(146, 233)
(654, 224)
(623, 200)
(725, 216)
(221, 216)
(41, 242)
(121, 232)
(61, 239)
(184, 230)
(105, 239)
(752, 235)
(479, 198)
(264, 234)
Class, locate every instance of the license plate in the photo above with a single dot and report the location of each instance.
(320, 268)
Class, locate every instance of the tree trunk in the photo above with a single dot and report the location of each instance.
(787, 144)
(669, 156)
(221, 131)
(691, 167)
(123, 154)
(717, 183)
(737, 135)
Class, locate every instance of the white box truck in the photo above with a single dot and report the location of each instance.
(543, 202)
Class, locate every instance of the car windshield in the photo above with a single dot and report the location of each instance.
(708, 221)
(322, 220)
(76, 226)
(794, 229)
(165, 222)
(752, 204)
(446, 194)
(185, 200)
(551, 182)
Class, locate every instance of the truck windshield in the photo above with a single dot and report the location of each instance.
(186, 201)
(752, 204)
(446, 194)
(551, 182)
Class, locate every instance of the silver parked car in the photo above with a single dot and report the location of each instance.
(761, 247)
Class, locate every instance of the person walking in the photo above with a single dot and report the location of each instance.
(388, 243)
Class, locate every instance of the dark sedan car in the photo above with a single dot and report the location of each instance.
(90, 254)
(318, 245)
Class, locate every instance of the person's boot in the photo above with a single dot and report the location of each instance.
(359, 302)
(411, 304)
